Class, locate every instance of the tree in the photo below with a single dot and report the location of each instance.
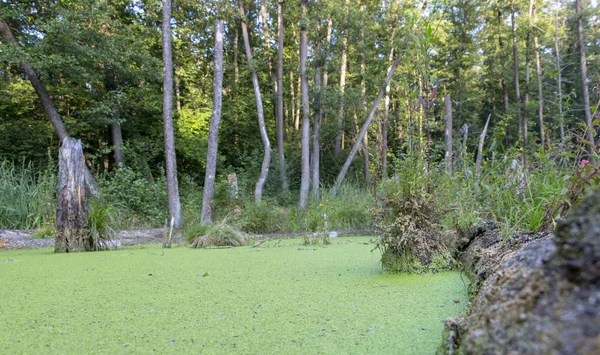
(47, 103)
(590, 133)
(176, 217)
(305, 157)
(264, 172)
(279, 102)
(363, 131)
(213, 132)
(516, 71)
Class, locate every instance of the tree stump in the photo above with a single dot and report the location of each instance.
(72, 233)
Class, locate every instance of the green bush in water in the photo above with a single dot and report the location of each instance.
(411, 240)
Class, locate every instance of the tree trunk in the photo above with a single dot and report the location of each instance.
(236, 69)
(538, 69)
(213, 131)
(264, 171)
(115, 127)
(47, 104)
(363, 131)
(292, 115)
(171, 160)
(516, 70)
(340, 120)
(501, 46)
(386, 115)
(527, 76)
(72, 233)
(305, 158)
(316, 151)
(480, 147)
(279, 112)
(590, 134)
(448, 135)
(177, 95)
(561, 119)
(316, 139)
(363, 104)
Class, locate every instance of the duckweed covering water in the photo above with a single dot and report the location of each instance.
(281, 298)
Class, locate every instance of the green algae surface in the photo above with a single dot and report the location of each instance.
(282, 298)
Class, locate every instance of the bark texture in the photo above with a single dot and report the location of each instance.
(591, 133)
(305, 157)
(516, 70)
(479, 160)
(264, 171)
(279, 110)
(448, 133)
(171, 160)
(213, 131)
(72, 234)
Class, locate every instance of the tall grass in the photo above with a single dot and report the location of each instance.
(27, 197)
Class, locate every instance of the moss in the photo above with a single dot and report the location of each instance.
(279, 298)
(408, 263)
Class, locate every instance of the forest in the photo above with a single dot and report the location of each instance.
(292, 98)
(444, 137)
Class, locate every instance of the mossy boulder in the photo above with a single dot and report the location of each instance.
(533, 293)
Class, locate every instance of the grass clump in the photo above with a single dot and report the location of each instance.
(27, 197)
(220, 234)
(100, 223)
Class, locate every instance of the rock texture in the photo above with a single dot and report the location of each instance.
(533, 293)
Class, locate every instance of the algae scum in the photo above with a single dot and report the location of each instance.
(281, 298)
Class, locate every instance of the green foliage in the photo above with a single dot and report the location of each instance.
(27, 197)
(137, 199)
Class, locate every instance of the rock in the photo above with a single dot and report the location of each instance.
(533, 293)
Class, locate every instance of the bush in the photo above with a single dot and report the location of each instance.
(137, 200)
(217, 234)
(411, 240)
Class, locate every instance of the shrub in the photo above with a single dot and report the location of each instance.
(217, 234)
(411, 240)
(137, 200)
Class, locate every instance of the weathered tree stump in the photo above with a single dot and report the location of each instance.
(72, 232)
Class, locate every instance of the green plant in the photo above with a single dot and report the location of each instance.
(410, 238)
(100, 226)
(218, 234)
(27, 197)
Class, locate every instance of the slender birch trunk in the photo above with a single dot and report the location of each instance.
(516, 69)
(305, 157)
(559, 76)
(171, 160)
(591, 133)
(316, 148)
(264, 171)
(279, 111)
(448, 133)
(501, 46)
(213, 131)
(480, 147)
(363, 104)
(538, 69)
(363, 131)
(343, 64)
